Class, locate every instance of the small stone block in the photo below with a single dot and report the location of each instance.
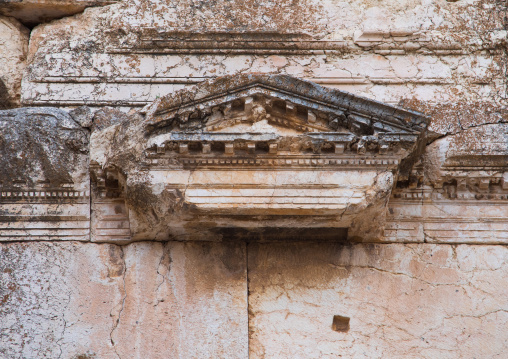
(311, 117)
(249, 101)
(229, 149)
(339, 148)
(207, 148)
(462, 184)
(361, 149)
(484, 183)
(183, 148)
(504, 181)
(273, 147)
(251, 147)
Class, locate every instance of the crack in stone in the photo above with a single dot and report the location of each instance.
(117, 320)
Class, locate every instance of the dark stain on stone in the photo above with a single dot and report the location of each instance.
(41, 145)
(116, 260)
(284, 234)
(340, 323)
(5, 101)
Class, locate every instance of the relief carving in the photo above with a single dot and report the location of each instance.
(257, 151)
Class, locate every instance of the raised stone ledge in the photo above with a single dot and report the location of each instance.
(253, 169)
(458, 193)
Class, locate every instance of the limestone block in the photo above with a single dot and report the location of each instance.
(402, 301)
(13, 54)
(144, 300)
(482, 148)
(44, 181)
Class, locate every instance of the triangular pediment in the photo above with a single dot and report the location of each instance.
(245, 103)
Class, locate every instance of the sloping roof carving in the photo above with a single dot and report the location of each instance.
(309, 106)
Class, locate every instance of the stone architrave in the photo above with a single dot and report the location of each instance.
(44, 181)
(441, 57)
(458, 193)
(253, 152)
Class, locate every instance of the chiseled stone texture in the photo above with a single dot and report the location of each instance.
(42, 145)
(403, 300)
(13, 53)
(143, 300)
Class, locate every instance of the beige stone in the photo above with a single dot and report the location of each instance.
(280, 179)
(462, 193)
(13, 55)
(403, 301)
(251, 151)
(44, 181)
(152, 300)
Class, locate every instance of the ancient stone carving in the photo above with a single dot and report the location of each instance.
(129, 53)
(256, 151)
(462, 178)
(44, 181)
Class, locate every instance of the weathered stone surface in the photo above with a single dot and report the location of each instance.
(253, 151)
(33, 12)
(403, 301)
(440, 54)
(44, 176)
(458, 194)
(76, 300)
(13, 54)
(191, 164)
(42, 146)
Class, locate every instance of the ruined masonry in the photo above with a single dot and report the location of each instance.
(253, 179)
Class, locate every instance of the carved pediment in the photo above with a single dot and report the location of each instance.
(257, 151)
(282, 101)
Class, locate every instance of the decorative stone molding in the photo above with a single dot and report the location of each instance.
(44, 182)
(255, 151)
(458, 194)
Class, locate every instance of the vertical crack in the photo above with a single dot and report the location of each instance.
(248, 295)
(113, 314)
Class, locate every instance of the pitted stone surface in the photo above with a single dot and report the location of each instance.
(434, 288)
(42, 146)
(437, 55)
(254, 151)
(78, 300)
(44, 176)
(34, 12)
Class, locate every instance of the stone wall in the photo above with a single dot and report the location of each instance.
(74, 284)
(188, 300)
